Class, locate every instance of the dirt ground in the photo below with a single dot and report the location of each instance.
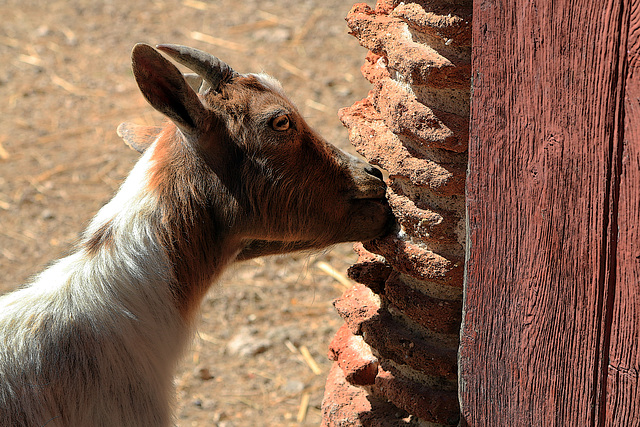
(65, 85)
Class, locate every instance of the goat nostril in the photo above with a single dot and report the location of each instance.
(375, 172)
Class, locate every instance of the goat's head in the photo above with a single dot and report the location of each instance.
(282, 185)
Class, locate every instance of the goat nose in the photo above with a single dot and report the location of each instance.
(371, 170)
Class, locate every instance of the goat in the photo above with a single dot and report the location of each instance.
(235, 173)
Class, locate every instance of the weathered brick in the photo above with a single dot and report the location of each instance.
(370, 269)
(418, 220)
(427, 403)
(437, 315)
(405, 115)
(375, 67)
(394, 341)
(453, 28)
(414, 124)
(417, 63)
(356, 306)
(373, 139)
(412, 259)
(354, 357)
(345, 405)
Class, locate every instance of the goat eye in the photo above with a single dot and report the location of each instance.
(280, 123)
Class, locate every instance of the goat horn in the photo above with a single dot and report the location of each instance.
(210, 68)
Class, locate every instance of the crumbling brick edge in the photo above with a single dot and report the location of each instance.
(395, 356)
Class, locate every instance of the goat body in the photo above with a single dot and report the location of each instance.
(234, 174)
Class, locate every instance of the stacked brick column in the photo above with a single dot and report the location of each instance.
(395, 356)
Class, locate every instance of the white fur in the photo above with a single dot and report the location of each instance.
(93, 340)
(270, 83)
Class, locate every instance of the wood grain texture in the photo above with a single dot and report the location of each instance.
(550, 332)
(623, 368)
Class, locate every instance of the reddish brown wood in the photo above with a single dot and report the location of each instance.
(552, 302)
(623, 385)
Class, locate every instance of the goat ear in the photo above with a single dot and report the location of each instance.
(164, 87)
(138, 137)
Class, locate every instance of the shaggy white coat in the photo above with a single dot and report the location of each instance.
(94, 323)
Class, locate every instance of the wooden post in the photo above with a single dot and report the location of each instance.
(622, 385)
(551, 322)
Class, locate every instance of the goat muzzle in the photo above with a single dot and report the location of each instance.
(368, 180)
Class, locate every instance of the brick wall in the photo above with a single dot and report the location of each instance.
(395, 356)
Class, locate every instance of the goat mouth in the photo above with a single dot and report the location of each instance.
(376, 204)
(377, 213)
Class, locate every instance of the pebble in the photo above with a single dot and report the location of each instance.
(293, 387)
(47, 214)
(203, 373)
(246, 344)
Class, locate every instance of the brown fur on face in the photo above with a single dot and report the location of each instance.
(247, 184)
(299, 188)
(240, 174)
